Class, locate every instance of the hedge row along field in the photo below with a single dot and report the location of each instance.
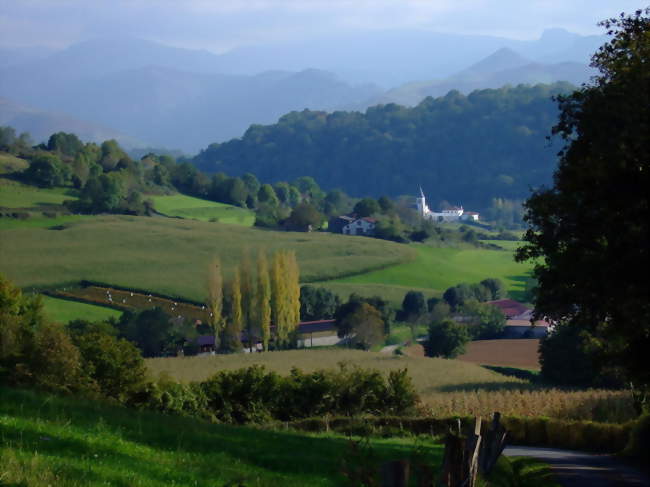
(170, 256)
(446, 387)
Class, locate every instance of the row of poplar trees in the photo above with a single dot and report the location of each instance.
(262, 298)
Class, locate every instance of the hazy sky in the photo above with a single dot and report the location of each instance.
(219, 25)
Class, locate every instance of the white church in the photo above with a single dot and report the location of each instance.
(453, 214)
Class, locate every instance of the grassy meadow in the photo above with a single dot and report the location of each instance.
(446, 387)
(62, 310)
(183, 206)
(170, 256)
(17, 195)
(47, 440)
(439, 268)
(10, 163)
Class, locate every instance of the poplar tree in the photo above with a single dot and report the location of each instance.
(263, 301)
(232, 335)
(248, 292)
(293, 290)
(279, 298)
(215, 299)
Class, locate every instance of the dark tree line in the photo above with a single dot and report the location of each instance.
(464, 149)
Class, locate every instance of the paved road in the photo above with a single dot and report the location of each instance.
(579, 469)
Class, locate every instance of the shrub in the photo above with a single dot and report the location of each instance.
(639, 442)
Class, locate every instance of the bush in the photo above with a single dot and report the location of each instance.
(639, 442)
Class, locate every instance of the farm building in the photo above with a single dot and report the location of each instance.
(310, 334)
(351, 225)
(519, 320)
(452, 214)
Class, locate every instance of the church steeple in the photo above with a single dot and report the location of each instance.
(421, 203)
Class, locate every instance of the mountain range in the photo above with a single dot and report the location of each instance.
(182, 98)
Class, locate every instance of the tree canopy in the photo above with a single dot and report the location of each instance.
(588, 233)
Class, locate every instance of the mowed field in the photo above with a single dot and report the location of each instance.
(184, 206)
(446, 387)
(522, 353)
(62, 310)
(171, 256)
(439, 268)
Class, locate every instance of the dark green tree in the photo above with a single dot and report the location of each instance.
(588, 234)
(317, 303)
(446, 339)
(366, 207)
(47, 170)
(303, 216)
(413, 306)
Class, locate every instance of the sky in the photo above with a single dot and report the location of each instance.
(220, 25)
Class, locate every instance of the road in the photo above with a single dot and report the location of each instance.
(580, 469)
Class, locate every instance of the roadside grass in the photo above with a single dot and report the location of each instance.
(171, 256)
(10, 163)
(63, 310)
(447, 387)
(440, 268)
(184, 206)
(17, 195)
(49, 440)
(520, 471)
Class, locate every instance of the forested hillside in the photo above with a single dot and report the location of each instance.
(462, 149)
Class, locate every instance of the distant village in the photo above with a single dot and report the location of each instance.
(353, 225)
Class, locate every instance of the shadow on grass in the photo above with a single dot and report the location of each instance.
(519, 292)
(524, 374)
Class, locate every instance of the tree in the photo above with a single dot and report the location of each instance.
(232, 333)
(150, 330)
(215, 300)
(266, 195)
(365, 325)
(446, 339)
(47, 170)
(366, 207)
(263, 306)
(484, 321)
(304, 216)
(317, 303)
(248, 291)
(413, 306)
(588, 233)
(285, 296)
(496, 287)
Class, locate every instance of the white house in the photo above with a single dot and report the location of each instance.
(453, 214)
(360, 226)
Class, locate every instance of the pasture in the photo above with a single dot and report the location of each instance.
(48, 440)
(446, 387)
(16, 195)
(439, 268)
(10, 163)
(170, 256)
(180, 205)
(40, 220)
(62, 310)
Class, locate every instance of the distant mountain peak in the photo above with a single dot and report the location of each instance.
(501, 59)
(556, 34)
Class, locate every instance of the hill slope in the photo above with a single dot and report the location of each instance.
(463, 149)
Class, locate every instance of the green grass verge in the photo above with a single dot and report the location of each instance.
(63, 310)
(16, 195)
(171, 256)
(10, 163)
(48, 440)
(197, 209)
(439, 268)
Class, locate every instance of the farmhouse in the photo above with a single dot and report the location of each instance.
(351, 225)
(310, 334)
(519, 320)
(453, 214)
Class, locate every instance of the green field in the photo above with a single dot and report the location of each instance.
(439, 268)
(392, 293)
(184, 206)
(62, 310)
(46, 440)
(10, 163)
(16, 195)
(170, 256)
(37, 220)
